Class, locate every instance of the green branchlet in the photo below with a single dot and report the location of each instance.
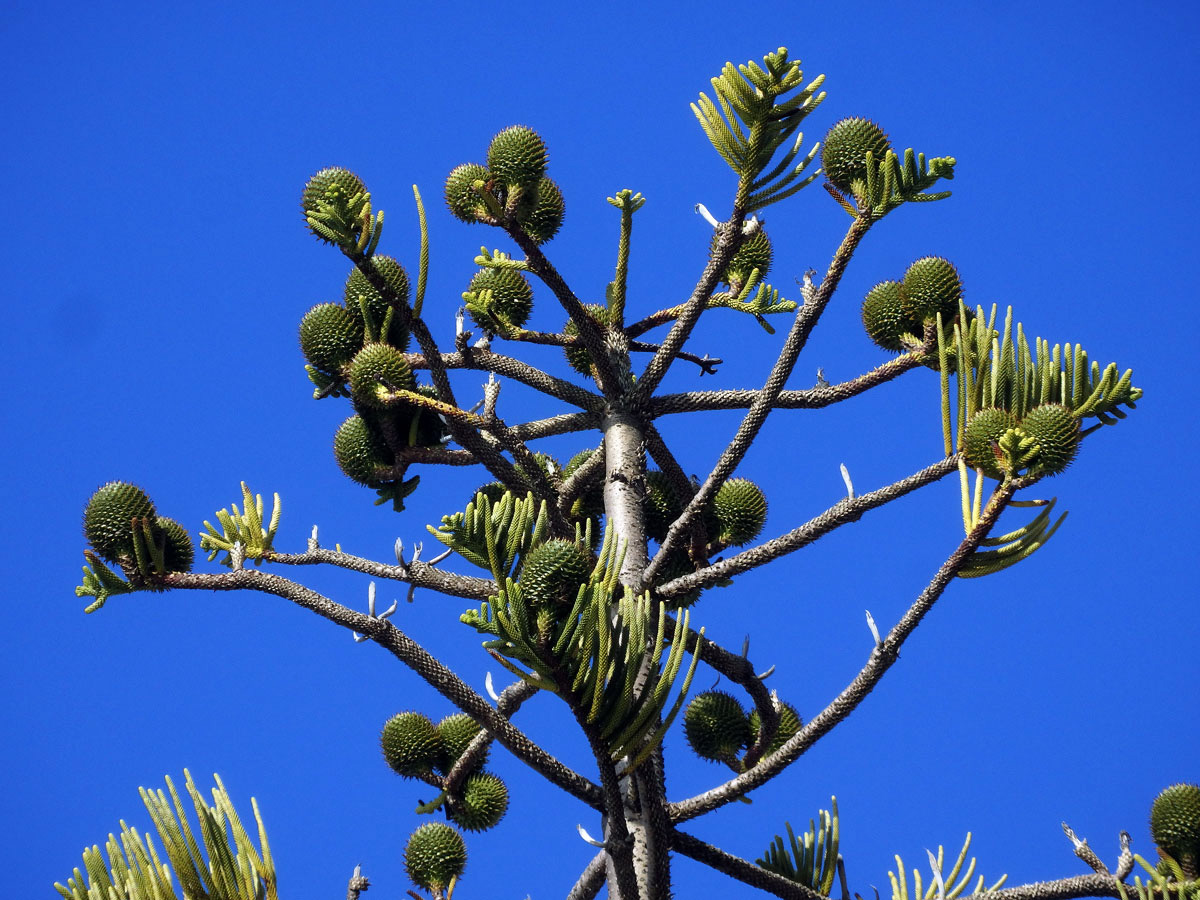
(243, 527)
(812, 858)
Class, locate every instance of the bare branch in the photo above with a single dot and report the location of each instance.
(883, 656)
(487, 361)
(744, 871)
(591, 880)
(408, 651)
(510, 701)
(416, 573)
(841, 513)
(1062, 889)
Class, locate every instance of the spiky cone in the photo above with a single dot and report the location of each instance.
(457, 731)
(983, 431)
(511, 303)
(885, 319)
(376, 372)
(931, 285)
(108, 519)
(481, 804)
(590, 503)
(493, 490)
(435, 855)
(754, 253)
(333, 190)
(789, 724)
(411, 744)
(844, 155)
(1175, 826)
(740, 512)
(330, 336)
(577, 354)
(178, 551)
(517, 157)
(543, 215)
(553, 572)
(716, 726)
(660, 505)
(677, 565)
(1055, 429)
(462, 200)
(417, 425)
(361, 452)
(359, 292)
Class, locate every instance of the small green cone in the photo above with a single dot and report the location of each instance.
(577, 355)
(716, 726)
(517, 157)
(330, 336)
(754, 253)
(1175, 826)
(931, 285)
(482, 804)
(461, 199)
(411, 744)
(361, 452)
(844, 155)
(885, 319)
(660, 506)
(376, 371)
(789, 724)
(545, 215)
(512, 298)
(334, 187)
(108, 519)
(435, 855)
(178, 551)
(553, 572)
(740, 511)
(359, 290)
(1056, 431)
(985, 428)
(457, 731)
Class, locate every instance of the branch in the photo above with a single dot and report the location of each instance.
(882, 658)
(409, 652)
(487, 361)
(591, 880)
(579, 479)
(760, 408)
(708, 364)
(813, 398)
(742, 870)
(841, 513)
(416, 573)
(509, 702)
(1062, 889)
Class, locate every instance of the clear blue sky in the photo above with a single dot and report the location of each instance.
(155, 267)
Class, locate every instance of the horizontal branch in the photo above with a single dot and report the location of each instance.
(413, 655)
(812, 398)
(486, 361)
(416, 573)
(841, 513)
(743, 870)
(882, 658)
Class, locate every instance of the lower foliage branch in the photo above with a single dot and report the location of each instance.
(883, 656)
(413, 655)
(841, 513)
(736, 867)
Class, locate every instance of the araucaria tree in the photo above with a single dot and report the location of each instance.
(585, 578)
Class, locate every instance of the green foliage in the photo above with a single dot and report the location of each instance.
(813, 858)
(943, 885)
(244, 528)
(233, 870)
(750, 121)
(493, 536)
(337, 208)
(435, 857)
(1175, 826)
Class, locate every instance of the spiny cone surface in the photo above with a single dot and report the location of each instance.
(553, 572)
(493, 490)
(435, 854)
(578, 356)
(108, 518)
(359, 288)
(660, 506)
(461, 199)
(512, 297)
(330, 336)
(1056, 431)
(332, 186)
(360, 451)
(885, 319)
(844, 155)
(590, 503)
(517, 157)
(1175, 825)
(178, 551)
(482, 804)
(931, 285)
(754, 253)
(985, 428)
(457, 731)
(716, 726)
(740, 510)
(789, 724)
(411, 744)
(545, 215)
(376, 371)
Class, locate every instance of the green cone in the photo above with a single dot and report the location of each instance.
(542, 218)
(376, 371)
(435, 854)
(660, 506)
(512, 298)
(360, 451)
(985, 428)
(931, 285)
(482, 803)
(553, 572)
(457, 731)
(462, 201)
(1175, 825)
(411, 744)
(1056, 430)
(108, 518)
(789, 724)
(330, 336)
(578, 356)
(178, 551)
(740, 511)
(844, 155)
(885, 319)
(517, 157)
(754, 253)
(716, 726)
(360, 291)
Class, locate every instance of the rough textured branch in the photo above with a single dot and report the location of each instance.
(416, 573)
(742, 870)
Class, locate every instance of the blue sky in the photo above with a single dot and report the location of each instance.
(155, 267)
